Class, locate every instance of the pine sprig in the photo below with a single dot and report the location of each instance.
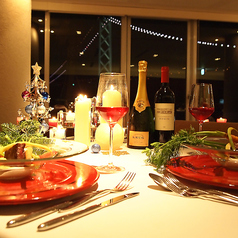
(162, 152)
(25, 131)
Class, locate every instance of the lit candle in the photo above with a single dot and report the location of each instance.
(221, 120)
(57, 132)
(53, 122)
(82, 128)
(69, 116)
(111, 98)
(103, 133)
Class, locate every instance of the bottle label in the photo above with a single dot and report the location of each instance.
(164, 116)
(139, 138)
(140, 105)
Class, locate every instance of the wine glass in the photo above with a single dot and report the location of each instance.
(201, 103)
(112, 105)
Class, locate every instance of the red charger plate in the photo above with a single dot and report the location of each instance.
(56, 179)
(203, 169)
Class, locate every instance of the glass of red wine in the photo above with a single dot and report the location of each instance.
(112, 105)
(201, 103)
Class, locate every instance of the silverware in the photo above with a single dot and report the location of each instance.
(193, 190)
(77, 214)
(76, 202)
(159, 180)
(121, 186)
(197, 193)
(36, 214)
(183, 190)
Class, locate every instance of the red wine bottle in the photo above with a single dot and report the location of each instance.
(141, 120)
(164, 109)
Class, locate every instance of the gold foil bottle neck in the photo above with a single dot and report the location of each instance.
(142, 66)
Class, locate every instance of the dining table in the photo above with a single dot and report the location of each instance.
(155, 212)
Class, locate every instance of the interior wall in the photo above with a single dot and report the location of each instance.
(15, 47)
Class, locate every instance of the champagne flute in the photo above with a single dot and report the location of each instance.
(112, 105)
(201, 103)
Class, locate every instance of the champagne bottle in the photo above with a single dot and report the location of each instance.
(164, 109)
(141, 121)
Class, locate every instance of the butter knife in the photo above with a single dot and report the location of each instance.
(77, 214)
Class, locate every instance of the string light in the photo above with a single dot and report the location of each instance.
(148, 32)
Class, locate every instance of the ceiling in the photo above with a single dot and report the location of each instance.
(211, 6)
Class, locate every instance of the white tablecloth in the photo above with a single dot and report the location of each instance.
(154, 213)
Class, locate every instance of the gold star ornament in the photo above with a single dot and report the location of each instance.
(36, 69)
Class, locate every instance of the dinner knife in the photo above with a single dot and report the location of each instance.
(20, 220)
(77, 214)
(70, 204)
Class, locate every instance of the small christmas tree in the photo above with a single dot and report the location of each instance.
(36, 95)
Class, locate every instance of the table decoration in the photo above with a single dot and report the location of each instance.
(53, 122)
(35, 94)
(66, 119)
(82, 130)
(102, 136)
(161, 153)
(221, 120)
(57, 132)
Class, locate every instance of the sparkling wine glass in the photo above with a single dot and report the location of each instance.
(112, 105)
(201, 103)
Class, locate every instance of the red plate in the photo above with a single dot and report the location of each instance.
(203, 169)
(54, 180)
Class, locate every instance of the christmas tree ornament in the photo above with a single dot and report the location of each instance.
(25, 94)
(36, 96)
(45, 95)
(44, 127)
(28, 109)
(96, 148)
(41, 109)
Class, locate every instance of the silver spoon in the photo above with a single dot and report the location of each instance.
(159, 181)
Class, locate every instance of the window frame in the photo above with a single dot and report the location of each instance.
(126, 13)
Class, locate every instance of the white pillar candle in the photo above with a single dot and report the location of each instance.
(60, 133)
(111, 98)
(69, 116)
(82, 119)
(57, 132)
(102, 136)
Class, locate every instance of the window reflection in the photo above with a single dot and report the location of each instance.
(216, 47)
(81, 47)
(160, 43)
(37, 38)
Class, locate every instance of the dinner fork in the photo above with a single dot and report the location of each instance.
(25, 218)
(197, 193)
(121, 186)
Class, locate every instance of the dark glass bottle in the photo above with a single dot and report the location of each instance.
(164, 109)
(141, 121)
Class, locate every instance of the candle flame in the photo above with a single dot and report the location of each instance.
(81, 97)
(112, 88)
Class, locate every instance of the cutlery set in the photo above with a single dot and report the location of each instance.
(164, 179)
(75, 203)
(170, 182)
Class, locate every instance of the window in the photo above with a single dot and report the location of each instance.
(217, 54)
(160, 43)
(81, 47)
